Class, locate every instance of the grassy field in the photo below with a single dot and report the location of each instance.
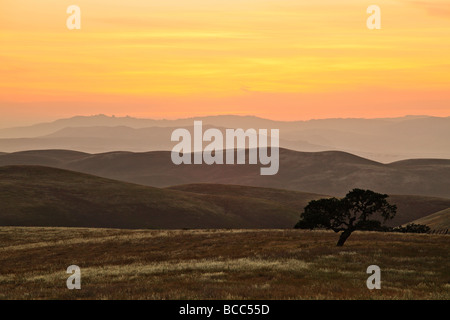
(220, 264)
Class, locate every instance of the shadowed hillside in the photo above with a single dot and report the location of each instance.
(41, 196)
(436, 221)
(289, 198)
(408, 207)
(330, 172)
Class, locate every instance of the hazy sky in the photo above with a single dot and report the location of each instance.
(280, 59)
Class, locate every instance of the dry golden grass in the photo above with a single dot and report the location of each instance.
(220, 264)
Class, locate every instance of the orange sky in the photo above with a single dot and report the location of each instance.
(280, 59)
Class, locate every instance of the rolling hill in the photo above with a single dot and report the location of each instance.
(331, 172)
(437, 221)
(409, 207)
(42, 196)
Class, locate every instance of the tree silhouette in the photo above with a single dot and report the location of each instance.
(348, 214)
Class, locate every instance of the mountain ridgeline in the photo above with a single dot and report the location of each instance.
(384, 140)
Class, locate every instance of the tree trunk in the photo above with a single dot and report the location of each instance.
(343, 237)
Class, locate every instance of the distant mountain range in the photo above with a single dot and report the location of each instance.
(43, 196)
(384, 140)
(331, 172)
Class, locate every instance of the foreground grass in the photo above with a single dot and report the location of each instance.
(220, 264)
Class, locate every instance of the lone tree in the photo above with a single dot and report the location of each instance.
(348, 214)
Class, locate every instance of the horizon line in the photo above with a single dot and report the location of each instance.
(113, 116)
